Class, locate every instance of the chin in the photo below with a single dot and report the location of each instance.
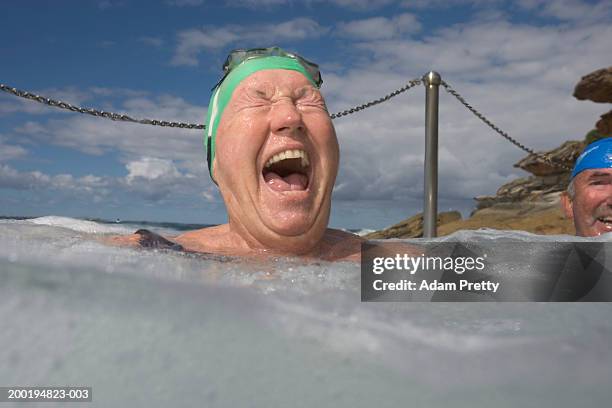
(596, 229)
(290, 223)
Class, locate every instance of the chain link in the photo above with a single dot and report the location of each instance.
(410, 84)
(515, 142)
(97, 113)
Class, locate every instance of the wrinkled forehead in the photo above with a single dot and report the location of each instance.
(279, 81)
(590, 174)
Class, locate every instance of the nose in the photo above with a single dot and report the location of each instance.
(286, 119)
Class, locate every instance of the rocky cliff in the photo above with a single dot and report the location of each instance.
(530, 203)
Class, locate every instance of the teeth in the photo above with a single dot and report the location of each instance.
(290, 154)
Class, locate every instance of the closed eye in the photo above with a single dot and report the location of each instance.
(260, 94)
(309, 97)
(599, 182)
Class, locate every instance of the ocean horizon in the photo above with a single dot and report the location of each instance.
(177, 226)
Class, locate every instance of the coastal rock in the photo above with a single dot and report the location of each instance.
(604, 125)
(528, 189)
(546, 178)
(565, 154)
(543, 217)
(596, 86)
(412, 227)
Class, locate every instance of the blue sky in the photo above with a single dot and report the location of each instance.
(516, 61)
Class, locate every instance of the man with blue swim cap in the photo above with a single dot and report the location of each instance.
(588, 200)
(272, 150)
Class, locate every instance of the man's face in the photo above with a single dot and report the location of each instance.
(276, 159)
(591, 208)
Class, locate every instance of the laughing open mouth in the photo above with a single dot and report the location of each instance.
(605, 220)
(287, 171)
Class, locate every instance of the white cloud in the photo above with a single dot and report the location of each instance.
(210, 196)
(36, 180)
(156, 179)
(11, 178)
(571, 10)
(98, 91)
(10, 152)
(194, 41)
(151, 168)
(501, 51)
(379, 28)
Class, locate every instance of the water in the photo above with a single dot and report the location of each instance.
(151, 328)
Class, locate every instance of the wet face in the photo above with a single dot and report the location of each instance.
(591, 206)
(276, 161)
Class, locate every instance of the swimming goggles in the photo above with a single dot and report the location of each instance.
(237, 57)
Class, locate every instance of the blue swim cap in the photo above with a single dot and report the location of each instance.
(597, 155)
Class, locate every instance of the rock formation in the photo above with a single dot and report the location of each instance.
(545, 183)
(413, 226)
(596, 86)
(604, 125)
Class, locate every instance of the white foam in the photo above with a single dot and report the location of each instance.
(150, 328)
(487, 234)
(74, 224)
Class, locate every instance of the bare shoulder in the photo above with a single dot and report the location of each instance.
(209, 239)
(208, 232)
(123, 240)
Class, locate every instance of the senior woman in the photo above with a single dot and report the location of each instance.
(272, 150)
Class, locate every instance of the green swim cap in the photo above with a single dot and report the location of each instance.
(222, 94)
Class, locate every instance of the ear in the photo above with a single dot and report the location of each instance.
(567, 205)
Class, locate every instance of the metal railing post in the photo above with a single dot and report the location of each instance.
(430, 206)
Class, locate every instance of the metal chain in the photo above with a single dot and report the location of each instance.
(126, 118)
(410, 84)
(95, 112)
(515, 142)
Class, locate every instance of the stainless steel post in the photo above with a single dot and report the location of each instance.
(430, 206)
